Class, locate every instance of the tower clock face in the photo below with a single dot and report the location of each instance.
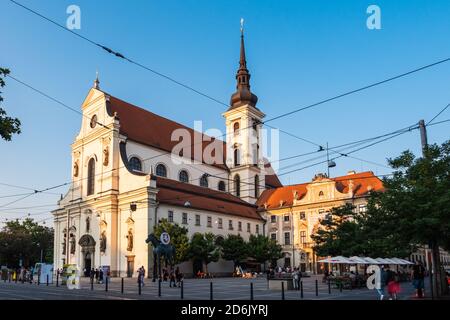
(93, 121)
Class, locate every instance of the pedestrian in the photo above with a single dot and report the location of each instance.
(418, 276)
(295, 279)
(143, 275)
(100, 276)
(178, 276)
(172, 279)
(382, 283)
(392, 284)
(97, 273)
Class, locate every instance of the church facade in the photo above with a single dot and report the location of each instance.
(130, 169)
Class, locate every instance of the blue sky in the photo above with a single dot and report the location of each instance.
(298, 52)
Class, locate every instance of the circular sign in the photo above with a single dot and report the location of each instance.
(165, 238)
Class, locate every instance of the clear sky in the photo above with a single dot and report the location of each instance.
(298, 52)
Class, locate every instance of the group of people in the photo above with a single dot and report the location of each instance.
(174, 276)
(97, 274)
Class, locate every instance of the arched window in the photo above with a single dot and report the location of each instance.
(161, 170)
(91, 177)
(236, 128)
(221, 186)
(256, 186)
(237, 156)
(135, 164)
(204, 181)
(237, 185)
(183, 176)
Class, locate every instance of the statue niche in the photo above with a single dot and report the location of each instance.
(72, 244)
(130, 240)
(75, 169)
(103, 242)
(106, 156)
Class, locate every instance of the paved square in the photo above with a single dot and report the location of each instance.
(194, 289)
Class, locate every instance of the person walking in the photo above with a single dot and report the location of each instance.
(172, 278)
(418, 276)
(97, 273)
(382, 283)
(393, 285)
(100, 276)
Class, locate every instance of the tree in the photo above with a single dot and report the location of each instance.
(234, 248)
(8, 125)
(417, 201)
(203, 247)
(24, 241)
(178, 238)
(348, 233)
(412, 211)
(263, 249)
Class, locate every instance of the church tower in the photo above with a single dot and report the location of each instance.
(243, 125)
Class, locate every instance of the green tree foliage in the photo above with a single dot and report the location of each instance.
(8, 125)
(24, 241)
(263, 249)
(413, 210)
(178, 238)
(204, 248)
(235, 249)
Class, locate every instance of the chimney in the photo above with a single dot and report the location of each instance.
(351, 172)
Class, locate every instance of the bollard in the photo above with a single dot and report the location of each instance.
(251, 290)
(210, 291)
(340, 286)
(47, 280)
(329, 286)
(57, 279)
(92, 283)
(301, 289)
(182, 290)
(121, 287)
(282, 290)
(317, 287)
(106, 283)
(39, 279)
(159, 287)
(139, 286)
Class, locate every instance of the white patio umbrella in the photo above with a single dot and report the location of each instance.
(390, 261)
(382, 261)
(406, 261)
(398, 261)
(337, 260)
(371, 260)
(358, 260)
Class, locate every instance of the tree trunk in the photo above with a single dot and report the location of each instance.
(439, 285)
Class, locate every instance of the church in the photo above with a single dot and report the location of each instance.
(130, 169)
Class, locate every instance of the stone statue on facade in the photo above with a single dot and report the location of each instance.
(72, 244)
(75, 169)
(103, 242)
(64, 244)
(130, 240)
(106, 156)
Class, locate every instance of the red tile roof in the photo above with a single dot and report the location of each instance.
(362, 183)
(177, 194)
(150, 129)
(153, 130)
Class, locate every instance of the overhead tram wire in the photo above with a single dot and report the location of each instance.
(440, 112)
(153, 157)
(119, 55)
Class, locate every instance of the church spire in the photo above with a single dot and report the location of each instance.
(96, 82)
(243, 96)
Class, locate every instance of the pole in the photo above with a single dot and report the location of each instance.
(57, 278)
(329, 286)
(47, 280)
(159, 287)
(431, 262)
(301, 289)
(92, 283)
(211, 291)
(182, 289)
(139, 287)
(251, 290)
(106, 283)
(282, 290)
(317, 288)
(121, 287)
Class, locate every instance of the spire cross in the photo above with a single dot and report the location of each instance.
(242, 26)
